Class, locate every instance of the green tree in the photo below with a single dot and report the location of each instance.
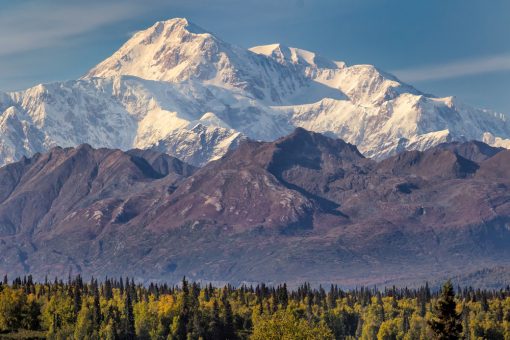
(215, 326)
(129, 318)
(96, 310)
(178, 328)
(446, 322)
(228, 328)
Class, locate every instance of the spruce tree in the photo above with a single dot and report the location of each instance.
(197, 331)
(206, 294)
(129, 322)
(332, 298)
(77, 301)
(96, 309)
(423, 307)
(32, 315)
(446, 323)
(284, 296)
(405, 322)
(427, 292)
(465, 323)
(108, 291)
(228, 328)
(121, 286)
(216, 326)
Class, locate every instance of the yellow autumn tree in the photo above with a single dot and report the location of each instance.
(284, 325)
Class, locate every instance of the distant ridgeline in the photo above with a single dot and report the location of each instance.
(122, 309)
(305, 207)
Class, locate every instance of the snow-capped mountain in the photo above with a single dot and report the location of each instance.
(180, 89)
(176, 51)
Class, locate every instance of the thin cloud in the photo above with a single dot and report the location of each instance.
(30, 26)
(456, 69)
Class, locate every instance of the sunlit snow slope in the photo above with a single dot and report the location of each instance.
(180, 89)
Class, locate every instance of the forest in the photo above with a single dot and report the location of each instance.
(123, 309)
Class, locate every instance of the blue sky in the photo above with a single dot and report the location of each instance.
(444, 47)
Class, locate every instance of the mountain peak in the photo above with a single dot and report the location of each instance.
(176, 24)
(301, 139)
(171, 50)
(177, 51)
(294, 56)
(299, 148)
(190, 93)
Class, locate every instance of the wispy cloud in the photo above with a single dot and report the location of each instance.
(32, 25)
(456, 69)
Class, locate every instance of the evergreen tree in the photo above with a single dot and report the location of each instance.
(284, 296)
(179, 328)
(465, 323)
(197, 331)
(108, 291)
(72, 310)
(446, 323)
(484, 302)
(332, 298)
(405, 322)
(77, 300)
(129, 321)
(121, 286)
(180, 323)
(423, 307)
(427, 293)
(96, 310)
(215, 326)
(228, 328)
(206, 295)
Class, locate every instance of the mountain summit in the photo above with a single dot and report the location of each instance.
(169, 50)
(180, 89)
(177, 50)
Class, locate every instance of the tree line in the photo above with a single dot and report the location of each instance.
(123, 309)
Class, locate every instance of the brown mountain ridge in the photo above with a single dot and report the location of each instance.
(304, 207)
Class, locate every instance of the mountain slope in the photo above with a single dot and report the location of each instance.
(304, 207)
(179, 89)
(176, 51)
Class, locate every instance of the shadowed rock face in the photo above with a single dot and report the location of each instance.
(304, 207)
(475, 151)
(45, 193)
